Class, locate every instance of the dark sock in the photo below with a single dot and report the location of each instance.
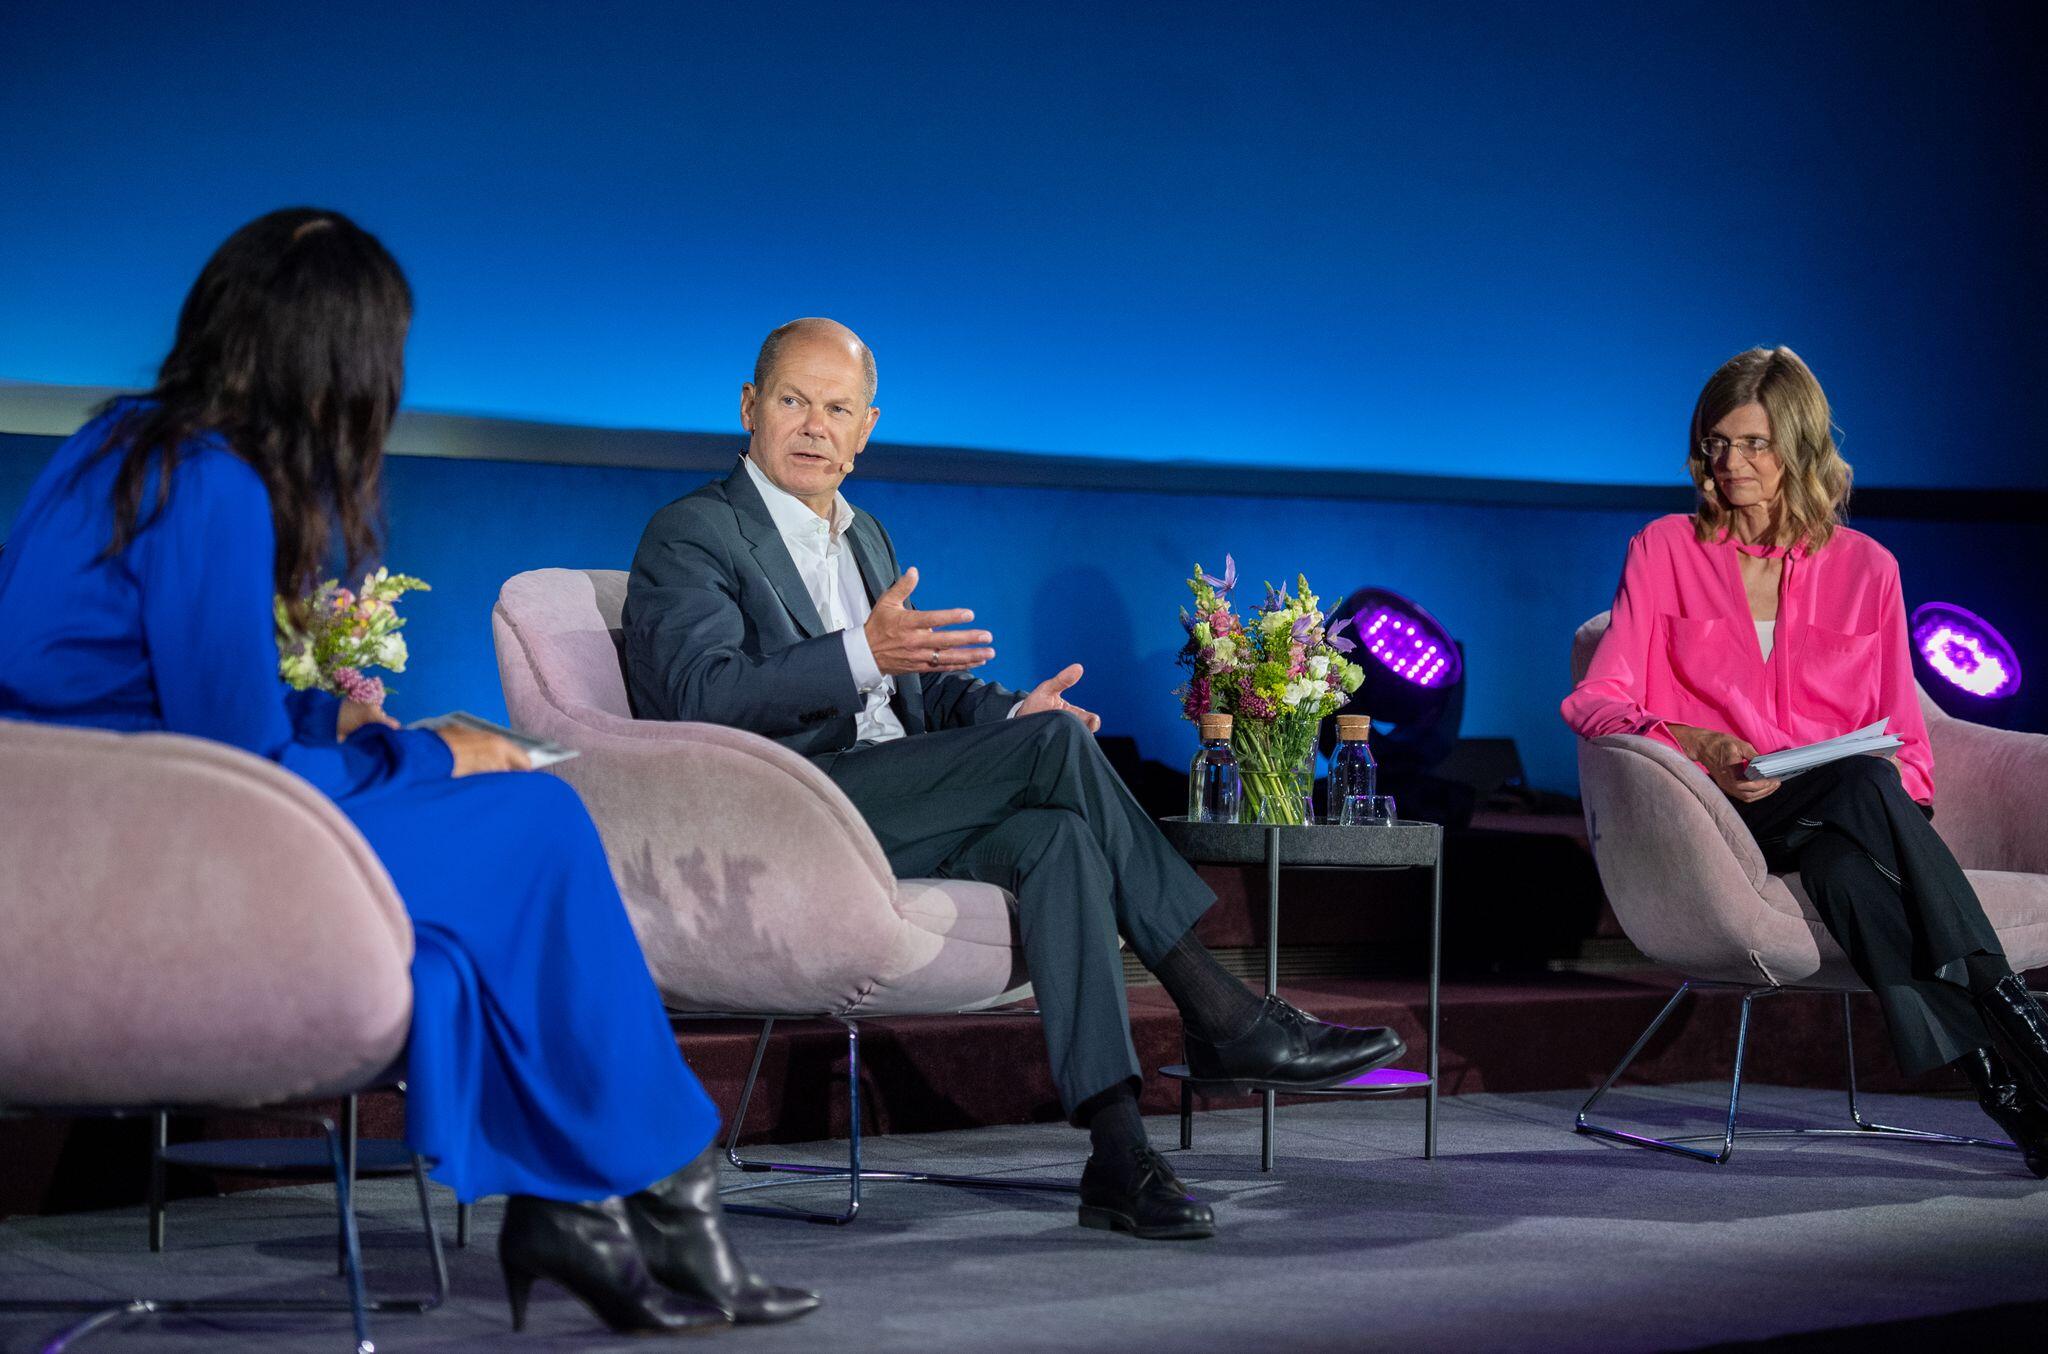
(1985, 971)
(1114, 1128)
(1216, 1006)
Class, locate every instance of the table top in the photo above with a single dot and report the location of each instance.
(1404, 842)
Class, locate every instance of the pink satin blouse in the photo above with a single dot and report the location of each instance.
(1682, 648)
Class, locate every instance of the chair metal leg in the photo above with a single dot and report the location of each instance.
(1730, 1132)
(1187, 1116)
(1866, 1126)
(462, 1212)
(103, 1314)
(854, 1173)
(159, 1139)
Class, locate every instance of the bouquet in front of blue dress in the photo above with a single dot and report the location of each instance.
(345, 632)
(1278, 672)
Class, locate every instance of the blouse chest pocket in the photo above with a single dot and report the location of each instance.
(1706, 654)
(1836, 676)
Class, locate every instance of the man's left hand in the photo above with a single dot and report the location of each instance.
(1050, 694)
(354, 714)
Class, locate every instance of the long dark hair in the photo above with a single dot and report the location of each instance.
(291, 345)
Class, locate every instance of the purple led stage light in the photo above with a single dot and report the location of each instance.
(1965, 650)
(1411, 643)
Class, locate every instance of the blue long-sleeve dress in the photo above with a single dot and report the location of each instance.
(540, 1061)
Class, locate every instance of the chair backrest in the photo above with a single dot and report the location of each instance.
(186, 924)
(568, 624)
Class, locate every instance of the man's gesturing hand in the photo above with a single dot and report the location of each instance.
(904, 639)
(1050, 694)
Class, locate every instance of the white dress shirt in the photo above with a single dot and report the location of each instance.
(824, 560)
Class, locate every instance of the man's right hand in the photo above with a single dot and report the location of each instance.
(904, 639)
(1723, 754)
(477, 751)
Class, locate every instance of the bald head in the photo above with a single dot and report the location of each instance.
(819, 329)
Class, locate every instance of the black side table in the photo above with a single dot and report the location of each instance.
(1320, 846)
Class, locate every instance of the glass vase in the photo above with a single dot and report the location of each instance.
(1276, 769)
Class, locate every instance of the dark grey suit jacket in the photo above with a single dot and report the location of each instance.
(719, 627)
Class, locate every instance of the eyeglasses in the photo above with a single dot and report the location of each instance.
(1714, 448)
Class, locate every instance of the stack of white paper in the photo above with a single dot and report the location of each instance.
(1792, 761)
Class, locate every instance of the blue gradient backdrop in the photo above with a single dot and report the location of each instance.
(1493, 239)
(1498, 240)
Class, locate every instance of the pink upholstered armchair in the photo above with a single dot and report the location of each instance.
(187, 928)
(755, 886)
(1690, 887)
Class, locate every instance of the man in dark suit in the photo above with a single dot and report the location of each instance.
(765, 601)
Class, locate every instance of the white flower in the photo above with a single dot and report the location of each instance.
(391, 653)
(1319, 667)
(1223, 653)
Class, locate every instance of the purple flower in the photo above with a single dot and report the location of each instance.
(1302, 626)
(1229, 579)
(1187, 622)
(1335, 640)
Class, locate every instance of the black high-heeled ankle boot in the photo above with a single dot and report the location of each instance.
(2024, 1119)
(680, 1225)
(590, 1250)
(2019, 1031)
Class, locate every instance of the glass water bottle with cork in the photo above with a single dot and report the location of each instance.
(1213, 786)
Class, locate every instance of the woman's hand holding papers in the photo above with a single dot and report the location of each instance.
(1724, 755)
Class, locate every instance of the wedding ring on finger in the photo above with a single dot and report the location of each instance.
(935, 657)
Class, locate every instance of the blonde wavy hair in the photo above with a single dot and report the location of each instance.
(1815, 490)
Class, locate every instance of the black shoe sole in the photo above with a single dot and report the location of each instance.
(1109, 1220)
(1244, 1087)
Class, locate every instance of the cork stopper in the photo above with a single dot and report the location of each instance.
(1354, 728)
(1214, 727)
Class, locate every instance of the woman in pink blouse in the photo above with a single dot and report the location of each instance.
(1759, 623)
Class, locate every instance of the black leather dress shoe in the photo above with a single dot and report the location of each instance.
(2024, 1119)
(2019, 1031)
(1288, 1049)
(680, 1224)
(1157, 1208)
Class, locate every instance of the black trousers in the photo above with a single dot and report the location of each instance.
(1032, 805)
(1890, 893)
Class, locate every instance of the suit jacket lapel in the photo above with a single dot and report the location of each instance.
(877, 577)
(758, 529)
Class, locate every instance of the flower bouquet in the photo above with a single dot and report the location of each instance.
(1278, 673)
(345, 632)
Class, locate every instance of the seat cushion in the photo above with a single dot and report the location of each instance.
(961, 952)
(1801, 951)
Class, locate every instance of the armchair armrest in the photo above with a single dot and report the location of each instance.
(1681, 871)
(751, 880)
(1991, 791)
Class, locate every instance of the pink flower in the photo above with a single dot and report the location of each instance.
(356, 687)
(1221, 622)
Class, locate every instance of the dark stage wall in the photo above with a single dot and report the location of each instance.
(1095, 577)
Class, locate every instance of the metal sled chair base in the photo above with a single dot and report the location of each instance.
(359, 1304)
(1861, 1127)
(853, 1173)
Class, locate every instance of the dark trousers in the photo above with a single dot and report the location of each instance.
(1890, 893)
(1031, 805)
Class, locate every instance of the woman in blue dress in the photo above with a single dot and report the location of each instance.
(136, 594)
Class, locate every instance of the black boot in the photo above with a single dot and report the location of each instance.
(2019, 1031)
(2024, 1119)
(681, 1228)
(589, 1249)
(1292, 1050)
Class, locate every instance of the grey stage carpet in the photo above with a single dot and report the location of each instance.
(1520, 1236)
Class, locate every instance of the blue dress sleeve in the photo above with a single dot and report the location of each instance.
(203, 569)
(315, 714)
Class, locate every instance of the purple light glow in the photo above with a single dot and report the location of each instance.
(1965, 650)
(1415, 650)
